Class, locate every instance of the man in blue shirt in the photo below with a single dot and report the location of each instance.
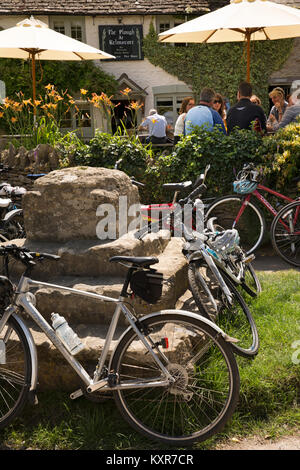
(204, 115)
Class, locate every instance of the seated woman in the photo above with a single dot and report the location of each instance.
(186, 105)
(278, 108)
(219, 106)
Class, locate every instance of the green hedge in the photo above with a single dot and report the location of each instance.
(278, 155)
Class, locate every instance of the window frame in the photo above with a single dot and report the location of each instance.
(67, 22)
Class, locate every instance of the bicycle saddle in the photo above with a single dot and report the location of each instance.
(141, 261)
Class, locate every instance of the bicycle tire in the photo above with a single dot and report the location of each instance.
(252, 217)
(236, 320)
(15, 373)
(206, 391)
(287, 246)
(15, 228)
(251, 284)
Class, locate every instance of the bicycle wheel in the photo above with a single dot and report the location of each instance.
(15, 372)
(236, 319)
(251, 224)
(206, 388)
(285, 233)
(251, 283)
(15, 228)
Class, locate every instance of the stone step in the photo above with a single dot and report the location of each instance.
(54, 372)
(82, 309)
(90, 258)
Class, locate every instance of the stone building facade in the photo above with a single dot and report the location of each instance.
(121, 26)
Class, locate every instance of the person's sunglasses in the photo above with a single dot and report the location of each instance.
(217, 101)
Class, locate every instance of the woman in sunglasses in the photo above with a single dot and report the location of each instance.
(219, 106)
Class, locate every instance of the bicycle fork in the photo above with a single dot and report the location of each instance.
(212, 266)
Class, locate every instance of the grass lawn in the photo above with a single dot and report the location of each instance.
(269, 395)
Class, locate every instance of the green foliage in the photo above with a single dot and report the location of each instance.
(220, 66)
(281, 154)
(278, 155)
(70, 75)
(106, 149)
(194, 152)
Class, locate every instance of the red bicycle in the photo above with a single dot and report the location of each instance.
(287, 242)
(239, 211)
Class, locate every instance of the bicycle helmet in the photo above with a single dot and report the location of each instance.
(226, 242)
(244, 186)
(6, 293)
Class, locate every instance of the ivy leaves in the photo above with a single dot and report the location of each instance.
(219, 66)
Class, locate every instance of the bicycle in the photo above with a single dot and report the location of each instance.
(236, 265)
(285, 233)
(173, 374)
(219, 300)
(240, 212)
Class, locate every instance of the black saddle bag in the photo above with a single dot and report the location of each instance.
(147, 284)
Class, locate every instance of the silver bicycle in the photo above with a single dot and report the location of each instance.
(172, 373)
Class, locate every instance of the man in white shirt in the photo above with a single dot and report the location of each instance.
(157, 127)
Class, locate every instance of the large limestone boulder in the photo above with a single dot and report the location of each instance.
(75, 204)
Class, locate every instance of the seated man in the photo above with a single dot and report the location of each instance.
(244, 112)
(157, 127)
(203, 114)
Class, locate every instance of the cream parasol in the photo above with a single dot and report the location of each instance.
(33, 39)
(241, 20)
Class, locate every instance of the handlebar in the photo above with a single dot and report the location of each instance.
(26, 256)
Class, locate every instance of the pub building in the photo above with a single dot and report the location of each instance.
(118, 27)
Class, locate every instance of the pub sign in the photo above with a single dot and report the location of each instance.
(125, 42)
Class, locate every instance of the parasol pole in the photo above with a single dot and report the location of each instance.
(248, 36)
(33, 85)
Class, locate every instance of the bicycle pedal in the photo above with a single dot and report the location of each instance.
(78, 393)
(249, 259)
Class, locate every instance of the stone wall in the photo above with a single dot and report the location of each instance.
(22, 162)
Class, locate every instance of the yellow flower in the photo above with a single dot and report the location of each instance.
(126, 91)
(83, 91)
(49, 87)
(36, 102)
(26, 102)
(13, 119)
(134, 105)
(1, 115)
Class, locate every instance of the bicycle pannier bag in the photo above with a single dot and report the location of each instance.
(147, 285)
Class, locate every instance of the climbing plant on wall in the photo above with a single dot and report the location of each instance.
(221, 66)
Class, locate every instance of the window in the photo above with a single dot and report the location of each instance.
(83, 117)
(72, 27)
(168, 99)
(167, 22)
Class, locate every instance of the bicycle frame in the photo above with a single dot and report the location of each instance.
(266, 203)
(26, 300)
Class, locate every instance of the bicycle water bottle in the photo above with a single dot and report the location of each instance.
(65, 333)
